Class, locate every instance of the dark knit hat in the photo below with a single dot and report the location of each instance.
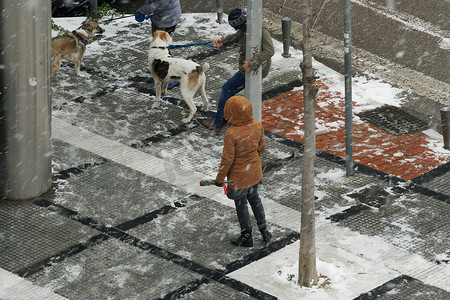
(237, 18)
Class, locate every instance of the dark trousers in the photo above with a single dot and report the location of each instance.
(169, 30)
(241, 197)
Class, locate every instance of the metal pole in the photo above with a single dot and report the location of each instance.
(253, 46)
(286, 30)
(348, 88)
(445, 121)
(219, 5)
(25, 106)
(93, 7)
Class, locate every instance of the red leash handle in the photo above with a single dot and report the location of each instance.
(225, 190)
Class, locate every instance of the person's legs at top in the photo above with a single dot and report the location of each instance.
(230, 88)
(233, 86)
(169, 30)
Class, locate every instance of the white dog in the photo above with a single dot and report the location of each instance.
(165, 69)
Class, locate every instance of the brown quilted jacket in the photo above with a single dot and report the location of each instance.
(243, 144)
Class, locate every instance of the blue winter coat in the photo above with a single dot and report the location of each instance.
(165, 13)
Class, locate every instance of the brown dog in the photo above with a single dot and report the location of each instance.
(73, 45)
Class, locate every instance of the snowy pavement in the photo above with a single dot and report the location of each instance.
(128, 220)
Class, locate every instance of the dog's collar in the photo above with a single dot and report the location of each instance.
(79, 38)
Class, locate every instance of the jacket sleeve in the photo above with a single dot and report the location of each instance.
(232, 38)
(262, 142)
(267, 50)
(146, 10)
(227, 158)
(151, 7)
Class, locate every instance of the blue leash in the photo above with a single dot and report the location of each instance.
(187, 45)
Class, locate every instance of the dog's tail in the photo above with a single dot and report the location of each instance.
(201, 69)
(205, 67)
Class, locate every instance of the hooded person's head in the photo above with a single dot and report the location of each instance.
(237, 18)
(238, 111)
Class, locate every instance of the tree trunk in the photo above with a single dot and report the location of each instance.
(307, 272)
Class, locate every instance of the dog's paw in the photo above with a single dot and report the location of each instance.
(204, 108)
(155, 105)
(186, 120)
(82, 75)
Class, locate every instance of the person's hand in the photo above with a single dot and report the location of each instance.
(218, 183)
(139, 17)
(246, 67)
(217, 42)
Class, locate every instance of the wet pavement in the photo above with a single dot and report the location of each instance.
(127, 219)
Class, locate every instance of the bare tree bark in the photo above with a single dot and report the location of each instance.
(307, 272)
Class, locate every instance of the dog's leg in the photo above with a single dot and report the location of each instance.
(188, 96)
(203, 94)
(164, 88)
(77, 61)
(158, 85)
(56, 63)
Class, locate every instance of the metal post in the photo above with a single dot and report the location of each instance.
(25, 106)
(286, 30)
(219, 5)
(253, 46)
(93, 7)
(348, 88)
(445, 122)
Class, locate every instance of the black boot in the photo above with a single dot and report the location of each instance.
(244, 240)
(266, 235)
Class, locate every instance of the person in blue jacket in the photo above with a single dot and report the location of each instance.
(165, 15)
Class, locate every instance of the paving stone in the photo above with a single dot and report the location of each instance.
(30, 233)
(112, 194)
(439, 184)
(415, 290)
(413, 222)
(201, 232)
(114, 270)
(205, 291)
(65, 156)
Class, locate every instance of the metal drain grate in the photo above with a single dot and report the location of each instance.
(393, 120)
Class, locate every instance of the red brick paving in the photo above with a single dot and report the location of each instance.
(406, 156)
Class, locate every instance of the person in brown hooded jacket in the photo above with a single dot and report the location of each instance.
(243, 144)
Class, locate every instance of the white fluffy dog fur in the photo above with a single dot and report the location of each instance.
(165, 68)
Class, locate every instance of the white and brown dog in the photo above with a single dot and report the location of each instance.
(165, 68)
(73, 45)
